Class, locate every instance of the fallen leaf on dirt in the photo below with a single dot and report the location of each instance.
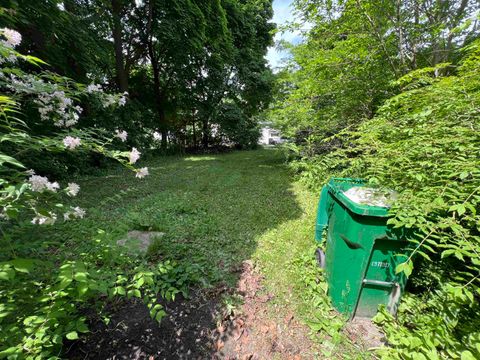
(239, 334)
(219, 345)
(289, 318)
(239, 322)
(244, 339)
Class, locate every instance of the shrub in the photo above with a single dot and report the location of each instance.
(424, 143)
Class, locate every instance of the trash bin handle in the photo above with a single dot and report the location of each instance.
(380, 283)
(385, 237)
(350, 244)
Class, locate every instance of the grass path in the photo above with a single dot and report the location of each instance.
(217, 211)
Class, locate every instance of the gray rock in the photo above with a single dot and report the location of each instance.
(139, 241)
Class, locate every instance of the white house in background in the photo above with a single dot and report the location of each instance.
(269, 135)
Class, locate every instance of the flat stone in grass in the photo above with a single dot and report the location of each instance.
(139, 241)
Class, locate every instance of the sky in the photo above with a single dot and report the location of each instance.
(282, 13)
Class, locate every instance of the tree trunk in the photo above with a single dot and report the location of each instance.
(194, 130)
(122, 78)
(205, 133)
(416, 15)
(159, 96)
(400, 35)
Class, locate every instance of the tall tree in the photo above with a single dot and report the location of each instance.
(121, 74)
(174, 31)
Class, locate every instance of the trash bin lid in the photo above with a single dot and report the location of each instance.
(337, 188)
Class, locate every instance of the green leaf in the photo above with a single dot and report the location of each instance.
(81, 276)
(379, 318)
(23, 265)
(160, 315)
(82, 289)
(467, 355)
(72, 335)
(405, 267)
(10, 160)
(81, 326)
(9, 351)
(120, 290)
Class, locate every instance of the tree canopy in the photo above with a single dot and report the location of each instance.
(181, 61)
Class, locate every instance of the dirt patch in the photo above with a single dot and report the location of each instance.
(185, 333)
(364, 333)
(199, 328)
(257, 332)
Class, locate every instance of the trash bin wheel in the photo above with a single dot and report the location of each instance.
(320, 256)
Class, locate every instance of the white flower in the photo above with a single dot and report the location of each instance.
(13, 38)
(93, 88)
(58, 107)
(141, 173)
(134, 155)
(157, 136)
(44, 220)
(72, 189)
(30, 172)
(71, 142)
(40, 183)
(76, 212)
(109, 100)
(122, 135)
(122, 101)
(53, 186)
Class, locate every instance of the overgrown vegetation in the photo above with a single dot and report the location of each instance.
(215, 211)
(386, 90)
(390, 91)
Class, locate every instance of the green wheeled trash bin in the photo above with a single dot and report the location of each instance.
(361, 252)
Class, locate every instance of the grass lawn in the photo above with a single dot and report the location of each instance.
(216, 211)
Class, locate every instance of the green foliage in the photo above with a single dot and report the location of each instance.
(236, 127)
(43, 304)
(43, 298)
(424, 144)
(315, 292)
(438, 325)
(353, 56)
(180, 61)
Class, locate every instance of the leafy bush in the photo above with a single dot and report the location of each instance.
(43, 302)
(236, 127)
(424, 143)
(43, 297)
(315, 291)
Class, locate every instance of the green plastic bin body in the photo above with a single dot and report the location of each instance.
(361, 253)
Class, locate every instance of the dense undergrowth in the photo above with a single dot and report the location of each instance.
(48, 289)
(425, 144)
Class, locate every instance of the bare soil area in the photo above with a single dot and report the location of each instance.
(200, 328)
